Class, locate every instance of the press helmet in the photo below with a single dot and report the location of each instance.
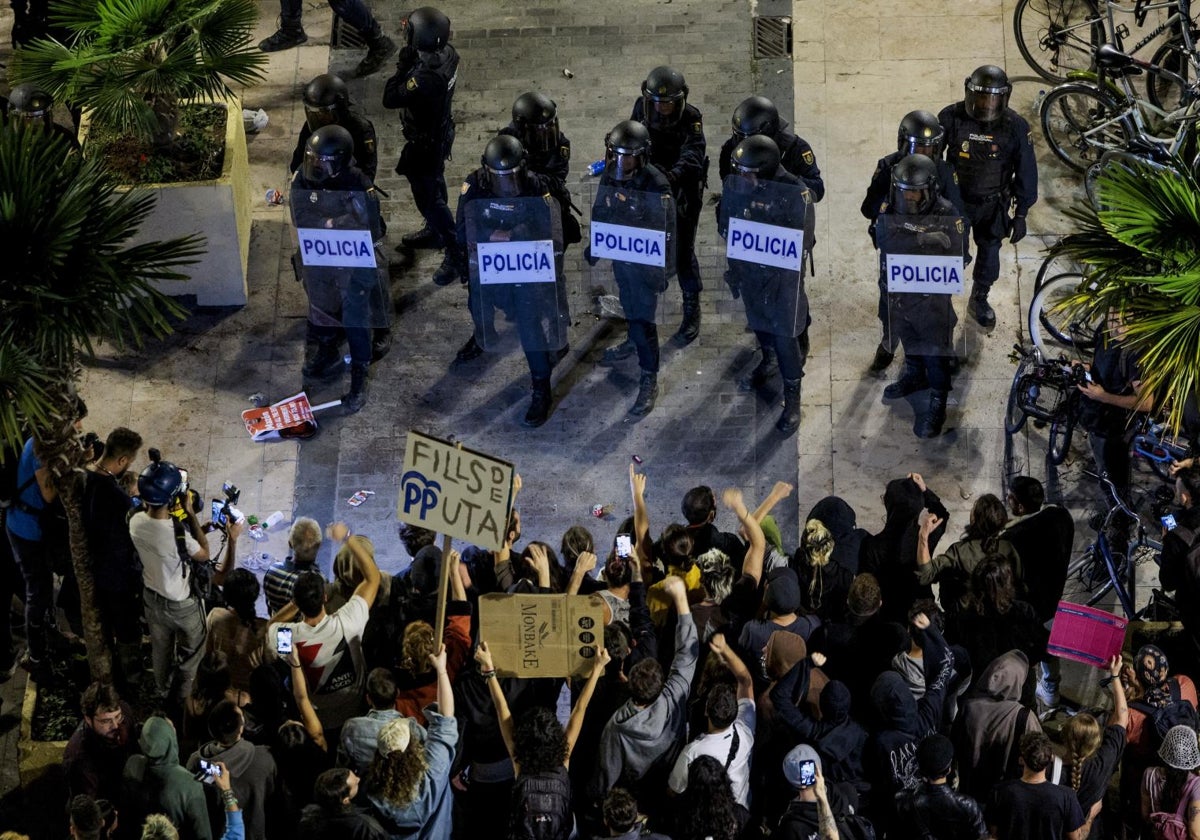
(755, 115)
(30, 104)
(324, 97)
(664, 97)
(920, 133)
(536, 118)
(627, 148)
(987, 91)
(504, 161)
(160, 483)
(757, 155)
(427, 29)
(914, 185)
(327, 153)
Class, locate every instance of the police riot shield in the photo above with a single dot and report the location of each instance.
(921, 271)
(338, 258)
(631, 252)
(515, 256)
(768, 230)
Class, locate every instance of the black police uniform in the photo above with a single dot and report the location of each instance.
(923, 323)
(679, 151)
(994, 163)
(362, 130)
(772, 296)
(358, 289)
(796, 156)
(423, 89)
(554, 164)
(639, 286)
(530, 304)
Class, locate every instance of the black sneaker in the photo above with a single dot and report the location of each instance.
(426, 237)
(380, 50)
(284, 38)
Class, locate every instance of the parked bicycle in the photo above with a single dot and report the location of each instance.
(1052, 325)
(1047, 391)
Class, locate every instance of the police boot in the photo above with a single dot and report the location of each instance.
(929, 424)
(883, 358)
(789, 420)
(381, 343)
(647, 394)
(979, 307)
(356, 398)
(470, 350)
(322, 360)
(690, 327)
(379, 49)
(763, 372)
(447, 273)
(911, 380)
(618, 352)
(426, 237)
(539, 405)
(290, 34)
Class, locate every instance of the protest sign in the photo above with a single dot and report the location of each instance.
(1085, 634)
(542, 635)
(290, 418)
(453, 490)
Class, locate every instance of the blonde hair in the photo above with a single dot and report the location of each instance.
(346, 575)
(158, 827)
(396, 777)
(817, 542)
(417, 647)
(1081, 736)
(12, 835)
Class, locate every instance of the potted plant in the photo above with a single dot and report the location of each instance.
(148, 76)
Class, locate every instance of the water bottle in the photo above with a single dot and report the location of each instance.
(596, 168)
(257, 561)
(273, 520)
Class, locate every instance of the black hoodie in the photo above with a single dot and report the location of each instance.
(891, 555)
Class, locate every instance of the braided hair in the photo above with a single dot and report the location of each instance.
(1081, 736)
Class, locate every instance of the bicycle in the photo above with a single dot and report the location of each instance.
(1100, 569)
(1081, 120)
(1052, 323)
(1156, 445)
(1059, 38)
(1046, 390)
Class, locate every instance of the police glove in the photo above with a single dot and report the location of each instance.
(934, 237)
(735, 285)
(406, 58)
(587, 255)
(1017, 233)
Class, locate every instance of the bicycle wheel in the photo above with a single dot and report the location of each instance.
(1060, 438)
(1057, 36)
(1014, 417)
(1162, 92)
(1081, 123)
(1052, 267)
(1051, 328)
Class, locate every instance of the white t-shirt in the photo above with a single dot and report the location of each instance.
(331, 652)
(162, 569)
(718, 745)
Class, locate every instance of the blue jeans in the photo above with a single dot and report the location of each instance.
(354, 12)
(177, 632)
(34, 566)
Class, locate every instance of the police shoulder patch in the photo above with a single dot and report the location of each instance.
(883, 206)
(808, 157)
(958, 225)
(465, 188)
(370, 144)
(412, 83)
(954, 177)
(564, 152)
(697, 127)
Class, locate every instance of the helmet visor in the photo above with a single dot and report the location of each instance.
(624, 166)
(911, 201)
(746, 182)
(932, 149)
(318, 116)
(505, 183)
(985, 106)
(663, 111)
(540, 138)
(320, 168)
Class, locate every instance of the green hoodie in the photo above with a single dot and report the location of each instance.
(166, 786)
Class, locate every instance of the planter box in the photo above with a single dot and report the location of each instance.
(219, 210)
(35, 758)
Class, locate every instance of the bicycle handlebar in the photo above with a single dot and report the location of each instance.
(1111, 488)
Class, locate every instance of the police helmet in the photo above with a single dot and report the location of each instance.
(757, 155)
(755, 115)
(627, 148)
(324, 97)
(664, 97)
(536, 118)
(427, 29)
(504, 161)
(920, 133)
(30, 104)
(160, 483)
(914, 185)
(987, 91)
(327, 153)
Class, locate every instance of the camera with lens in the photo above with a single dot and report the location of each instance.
(223, 512)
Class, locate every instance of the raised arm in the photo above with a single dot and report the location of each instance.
(445, 695)
(484, 657)
(778, 493)
(745, 684)
(308, 715)
(1120, 713)
(753, 564)
(929, 523)
(641, 517)
(458, 592)
(339, 532)
(229, 561)
(584, 563)
(575, 723)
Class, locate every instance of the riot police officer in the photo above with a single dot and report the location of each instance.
(327, 102)
(351, 294)
(504, 174)
(423, 89)
(547, 149)
(31, 106)
(919, 134)
(923, 323)
(775, 299)
(990, 148)
(355, 12)
(677, 147)
(757, 115)
(632, 181)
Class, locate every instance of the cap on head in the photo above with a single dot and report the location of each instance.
(793, 760)
(394, 737)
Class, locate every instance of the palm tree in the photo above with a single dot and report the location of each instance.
(71, 278)
(1139, 243)
(132, 62)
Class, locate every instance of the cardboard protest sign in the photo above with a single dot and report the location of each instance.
(454, 490)
(292, 417)
(1085, 634)
(542, 635)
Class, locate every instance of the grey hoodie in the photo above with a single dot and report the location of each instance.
(252, 774)
(636, 738)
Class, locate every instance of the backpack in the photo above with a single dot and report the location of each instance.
(1168, 825)
(855, 827)
(542, 807)
(1178, 711)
